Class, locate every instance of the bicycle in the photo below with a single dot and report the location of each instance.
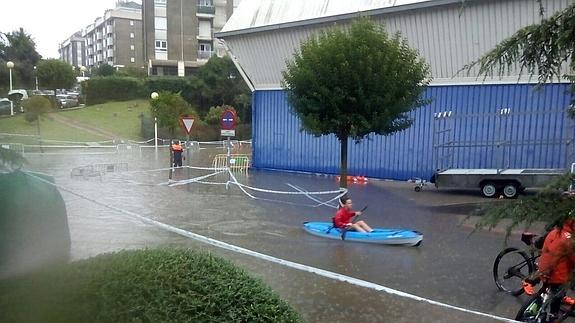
(538, 308)
(513, 265)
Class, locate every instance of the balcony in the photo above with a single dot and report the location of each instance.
(206, 9)
(205, 54)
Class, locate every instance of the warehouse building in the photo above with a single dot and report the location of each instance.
(471, 122)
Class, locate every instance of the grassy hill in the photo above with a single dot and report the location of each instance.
(120, 118)
(90, 124)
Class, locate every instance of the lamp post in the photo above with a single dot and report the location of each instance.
(154, 96)
(36, 76)
(10, 66)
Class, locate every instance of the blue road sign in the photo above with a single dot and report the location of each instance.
(228, 120)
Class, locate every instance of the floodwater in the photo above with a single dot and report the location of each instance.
(452, 266)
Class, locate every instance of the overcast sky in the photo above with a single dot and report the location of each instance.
(50, 22)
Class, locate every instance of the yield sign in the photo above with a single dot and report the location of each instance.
(187, 122)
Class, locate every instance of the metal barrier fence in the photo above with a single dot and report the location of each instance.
(238, 162)
(97, 170)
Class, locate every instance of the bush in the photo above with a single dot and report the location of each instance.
(103, 89)
(143, 286)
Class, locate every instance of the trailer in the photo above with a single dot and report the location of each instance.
(509, 182)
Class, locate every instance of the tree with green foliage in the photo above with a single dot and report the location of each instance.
(539, 50)
(353, 82)
(104, 70)
(168, 107)
(36, 107)
(20, 48)
(55, 74)
(218, 83)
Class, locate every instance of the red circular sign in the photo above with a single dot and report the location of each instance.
(228, 119)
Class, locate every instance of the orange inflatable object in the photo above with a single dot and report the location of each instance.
(355, 179)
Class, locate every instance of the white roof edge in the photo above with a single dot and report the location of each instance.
(443, 82)
(228, 30)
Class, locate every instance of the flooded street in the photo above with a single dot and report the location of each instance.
(451, 266)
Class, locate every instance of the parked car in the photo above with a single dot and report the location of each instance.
(18, 95)
(4, 106)
(67, 101)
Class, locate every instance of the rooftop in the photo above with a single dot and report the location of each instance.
(252, 14)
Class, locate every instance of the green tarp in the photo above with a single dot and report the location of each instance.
(33, 223)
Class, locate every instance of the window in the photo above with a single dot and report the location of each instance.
(161, 45)
(161, 23)
(132, 47)
(160, 2)
(133, 60)
(131, 35)
(131, 22)
(206, 3)
(205, 47)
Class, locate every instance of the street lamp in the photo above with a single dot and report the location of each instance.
(154, 96)
(36, 75)
(10, 66)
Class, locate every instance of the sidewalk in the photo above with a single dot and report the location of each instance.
(461, 203)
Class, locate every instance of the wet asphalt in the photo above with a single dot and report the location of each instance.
(452, 266)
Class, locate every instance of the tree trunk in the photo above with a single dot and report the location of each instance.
(39, 138)
(343, 163)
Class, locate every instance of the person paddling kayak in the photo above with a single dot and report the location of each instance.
(343, 217)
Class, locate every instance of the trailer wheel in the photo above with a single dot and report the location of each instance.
(510, 190)
(488, 189)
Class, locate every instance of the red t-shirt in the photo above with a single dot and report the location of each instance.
(343, 217)
(558, 256)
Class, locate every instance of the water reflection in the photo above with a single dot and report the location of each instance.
(441, 269)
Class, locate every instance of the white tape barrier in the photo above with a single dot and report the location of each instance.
(287, 263)
(192, 180)
(326, 203)
(288, 192)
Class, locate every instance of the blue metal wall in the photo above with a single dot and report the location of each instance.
(537, 117)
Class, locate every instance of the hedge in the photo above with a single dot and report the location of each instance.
(172, 84)
(166, 285)
(113, 88)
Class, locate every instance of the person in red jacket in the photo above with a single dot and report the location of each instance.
(343, 217)
(557, 260)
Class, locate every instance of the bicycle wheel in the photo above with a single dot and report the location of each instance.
(510, 268)
(534, 310)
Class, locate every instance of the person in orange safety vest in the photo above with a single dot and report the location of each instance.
(177, 151)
